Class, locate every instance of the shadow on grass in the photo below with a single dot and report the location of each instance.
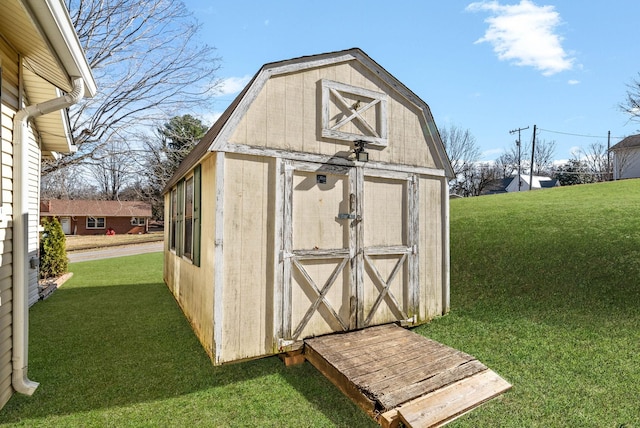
(96, 348)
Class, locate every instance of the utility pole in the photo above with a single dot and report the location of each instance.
(518, 144)
(609, 172)
(533, 152)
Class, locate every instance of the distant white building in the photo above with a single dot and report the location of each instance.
(626, 158)
(538, 182)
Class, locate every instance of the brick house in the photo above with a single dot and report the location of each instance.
(91, 217)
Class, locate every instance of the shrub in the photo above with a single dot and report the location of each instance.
(53, 253)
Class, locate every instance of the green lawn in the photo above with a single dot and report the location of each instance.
(545, 291)
(111, 348)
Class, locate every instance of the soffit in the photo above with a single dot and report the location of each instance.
(17, 26)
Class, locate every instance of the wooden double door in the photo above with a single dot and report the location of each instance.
(350, 253)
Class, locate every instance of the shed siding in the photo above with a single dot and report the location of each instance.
(431, 249)
(192, 286)
(286, 115)
(9, 105)
(254, 214)
(248, 257)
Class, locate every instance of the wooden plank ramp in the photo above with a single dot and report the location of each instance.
(396, 375)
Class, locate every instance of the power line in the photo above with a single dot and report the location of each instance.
(577, 135)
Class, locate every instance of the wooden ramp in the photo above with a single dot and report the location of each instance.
(397, 375)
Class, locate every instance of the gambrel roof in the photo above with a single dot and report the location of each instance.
(217, 138)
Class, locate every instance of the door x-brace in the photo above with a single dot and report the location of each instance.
(385, 292)
(321, 296)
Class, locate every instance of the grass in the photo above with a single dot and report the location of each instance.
(112, 348)
(545, 290)
(88, 242)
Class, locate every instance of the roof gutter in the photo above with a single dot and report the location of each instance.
(19, 379)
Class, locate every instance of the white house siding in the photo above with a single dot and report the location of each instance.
(626, 163)
(9, 105)
(33, 164)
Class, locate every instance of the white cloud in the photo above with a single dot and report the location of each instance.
(210, 118)
(524, 34)
(573, 82)
(231, 85)
(491, 153)
(575, 151)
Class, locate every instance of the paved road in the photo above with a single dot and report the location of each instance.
(110, 252)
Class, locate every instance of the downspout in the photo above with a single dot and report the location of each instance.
(19, 379)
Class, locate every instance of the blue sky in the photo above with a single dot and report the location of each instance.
(486, 66)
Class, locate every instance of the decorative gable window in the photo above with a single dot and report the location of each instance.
(351, 113)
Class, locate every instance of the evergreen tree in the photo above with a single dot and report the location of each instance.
(53, 253)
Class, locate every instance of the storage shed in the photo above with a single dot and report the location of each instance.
(317, 203)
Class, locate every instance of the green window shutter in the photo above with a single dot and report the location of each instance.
(196, 214)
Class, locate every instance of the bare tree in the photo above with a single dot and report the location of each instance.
(148, 66)
(474, 178)
(631, 104)
(463, 152)
(596, 162)
(543, 156)
(505, 165)
(461, 147)
(66, 183)
(115, 170)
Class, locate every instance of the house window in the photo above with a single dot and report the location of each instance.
(188, 218)
(137, 221)
(95, 222)
(174, 218)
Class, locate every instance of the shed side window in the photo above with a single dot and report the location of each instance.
(174, 218)
(191, 236)
(197, 186)
(180, 220)
(188, 218)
